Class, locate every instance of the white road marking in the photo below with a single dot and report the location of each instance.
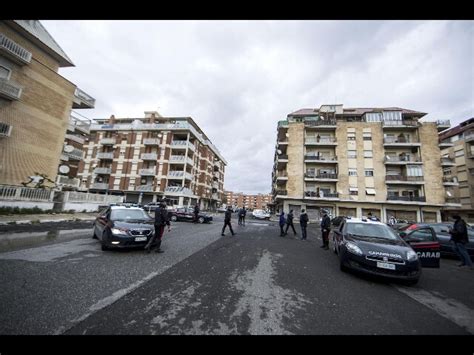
(446, 307)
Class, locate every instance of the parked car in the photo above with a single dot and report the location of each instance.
(260, 214)
(187, 214)
(336, 221)
(374, 248)
(442, 233)
(221, 209)
(123, 227)
(151, 206)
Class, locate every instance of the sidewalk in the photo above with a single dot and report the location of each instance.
(44, 218)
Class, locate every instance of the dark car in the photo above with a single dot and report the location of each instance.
(123, 227)
(187, 214)
(442, 233)
(374, 248)
(336, 221)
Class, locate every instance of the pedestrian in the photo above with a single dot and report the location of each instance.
(289, 222)
(459, 239)
(325, 228)
(243, 215)
(392, 221)
(227, 221)
(282, 223)
(303, 223)
(161, 220)
(196, 213)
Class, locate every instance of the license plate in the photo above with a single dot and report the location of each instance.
(386, 266)
(140, 239)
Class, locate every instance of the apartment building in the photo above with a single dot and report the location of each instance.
(239, 199)
(35, 101)
(352, 161)
(153, 157)
(457, 160)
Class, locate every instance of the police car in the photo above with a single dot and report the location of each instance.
(374, 248)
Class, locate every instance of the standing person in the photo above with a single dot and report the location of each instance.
(303, 223)
(392, 221)
(227, 220)
(282, 223)
(243, 215)
(289, 222)
(161, 220)
(325, 228)
(459, 238)
(196, 213)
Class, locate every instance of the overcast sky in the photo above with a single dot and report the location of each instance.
(236, 79)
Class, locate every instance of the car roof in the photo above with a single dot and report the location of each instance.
(364, 220)
(126, 208)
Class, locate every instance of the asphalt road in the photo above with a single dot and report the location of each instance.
(253, 283)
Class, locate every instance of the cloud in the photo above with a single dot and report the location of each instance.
(237, 79)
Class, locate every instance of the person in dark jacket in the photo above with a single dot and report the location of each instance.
(227, 221)
(196, 213)
(244, 213)
(241, 216)
(303, 223)
(282, 223)
(289, 222)
(161, 220)
(325, 228)
(459, 238)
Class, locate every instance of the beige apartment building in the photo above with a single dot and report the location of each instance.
(239, 199)
(457, 150)
(153, 157)
(352, 161)
(35, 101)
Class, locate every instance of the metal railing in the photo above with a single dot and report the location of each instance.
(84, 97)
(74, 138)
(177, 158)
(281, 192)
(443, 123)
(396, 159)
(75, 154)
(450, 180)
(151, 141)
(105, 156)
(331, 122)
(178, 189)
(66, 180)
(320, 176)
(399, 140)
(401, 123)
(283, 124)
(406, 198)
(323, 140)
(180, 144)
(5, 129)
(9, 90)
(25, 193)
(403, 178)
(149, 156)
(108, 141)
(145, 188)
(320, 158)
(21, 54)
(282, 156)
(450, 199)
(100, 186)
(321, 194)
(447, 161)
(103, 171)
(147, 172)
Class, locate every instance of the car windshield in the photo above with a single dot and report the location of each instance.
(368, 230)
(128, 214)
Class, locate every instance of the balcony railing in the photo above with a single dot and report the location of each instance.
(283, 157)
(9, 90)
(318, 123)
(178, 190)
(400, 124)
(100, 186)
(450, 199)
(398, 159)
(74, 138)
(177, 158)
(65, 180)
(105, 156)
(144, 188)
(83, 100)
(108, 141)
(403, 178)
(447, 161)
(320, 176)
(321, 141)
(450, 180)
(283, 123)
(321, 194)
(320, 158)
(147, 172)
(5, 130)
(149, 156)
(399, 140)
(103, 171)
(151, 141)
(179, 144)
(14, 51)
(443, 124)
(406, 198)
(281, 192)
(75, 154)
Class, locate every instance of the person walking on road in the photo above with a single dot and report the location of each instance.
(325, 228)
(289, 222)
(303, 223)
(282, 223)
(244, 213)
(227, 221)
(241, 216)
(196, 213)
(161, 220)
(459, 238)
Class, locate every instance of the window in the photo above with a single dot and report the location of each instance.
(351, 136)
(353, 191)
(367, 136)
(368, 154)
(421, 235)
(4, 72)
(351, 154)
(352, 172)
(369, 172)
(414, 170)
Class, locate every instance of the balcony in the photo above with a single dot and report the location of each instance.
(453, 200)
(151, 141)
(144, 188)
(283, 141)
(445, 144)
(177, 174)
(5, 129)
(282, 176)
(448, 162)
(178, 190)
(82, 100)
(103, 171)
(321, 124)
(403, 179)
(321, 195)
(469, 137)
(177, 159)
(443, 124)
(400, 142)
(14, 51)
(314, 158)
(105, 156)
(192, 147)
(100, 186)
(281, 192)
(332, 177)
(450, 181)
(74, 138)
(215, 185)
(9, 90)
(283, 124)
(283, 158)
(401, 160)
(73, 154)
(107, 141)
(402, 124)
(149, 156)
(147, 172)
(67, 181)
(179, 144)
(406, 198)
(325, 141)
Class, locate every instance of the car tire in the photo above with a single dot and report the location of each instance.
(103, 246)
(201, 220)
(174, 218)
(334, 249)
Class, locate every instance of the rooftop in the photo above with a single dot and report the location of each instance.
(358, 111)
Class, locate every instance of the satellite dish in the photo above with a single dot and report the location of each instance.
(64, 169)
(449, 193)
(68, 148)
(279, 151)
(287, 135)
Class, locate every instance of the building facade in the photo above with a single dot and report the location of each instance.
(457, 155)
(35, 102)
(252, 202)
(153, 157)
(352, 161)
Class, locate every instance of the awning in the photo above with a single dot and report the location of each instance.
(353, 189)
(370, 191)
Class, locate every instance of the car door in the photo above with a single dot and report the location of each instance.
(424, 242)
(101, 222)
(337, 236)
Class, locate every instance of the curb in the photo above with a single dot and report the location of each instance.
(45, 221)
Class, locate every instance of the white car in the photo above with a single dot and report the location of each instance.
(260, 214)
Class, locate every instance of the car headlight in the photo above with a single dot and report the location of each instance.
(411, 255)
(119, 231)
(354, 249)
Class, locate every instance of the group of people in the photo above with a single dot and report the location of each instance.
(288, 221)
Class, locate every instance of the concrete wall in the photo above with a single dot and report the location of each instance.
(295, 166)
(432, 171)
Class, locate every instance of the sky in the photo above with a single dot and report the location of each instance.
(237, 79)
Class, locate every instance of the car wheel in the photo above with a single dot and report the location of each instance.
(174, 218)
(103, 244)
(201, 220)
(334, 247)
